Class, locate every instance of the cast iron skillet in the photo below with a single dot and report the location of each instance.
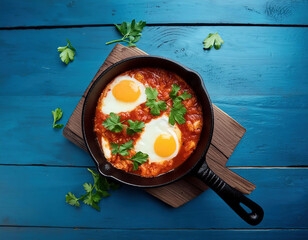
(195, 164)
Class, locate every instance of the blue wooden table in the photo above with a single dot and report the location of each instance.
(259, 77)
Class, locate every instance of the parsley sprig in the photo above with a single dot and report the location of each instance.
(134, 127)
(156, 106)
(213, 39)
(94, 193)
(131, 32)
(113, 123)
(67, 53)
(122, 149)
(57, 115)
(178, 109)
(138, 159)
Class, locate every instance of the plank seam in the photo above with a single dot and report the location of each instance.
(157, 25)
(157, 229)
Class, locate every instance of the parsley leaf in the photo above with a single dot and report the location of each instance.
(134, 127)
(113, 123)
(67, 53)
(181, 97)
(151, 93)
(57, 115)
(131, 32)
(88, 187)
(123, 149)
(94, 193)
(114, 148)
(177, 113)
(138, 159)
(174, 91)
(156, 106)
(72, 200)
(212, 39)
(184, 96)
(178, 110)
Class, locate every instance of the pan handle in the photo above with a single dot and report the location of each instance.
(231, 196)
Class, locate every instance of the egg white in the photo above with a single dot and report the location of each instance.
(111, 104)
(106, 148)
(151, 132)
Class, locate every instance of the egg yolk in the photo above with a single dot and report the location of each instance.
(165, 145)
(126, 91)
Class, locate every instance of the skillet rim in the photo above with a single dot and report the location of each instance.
(197, 164)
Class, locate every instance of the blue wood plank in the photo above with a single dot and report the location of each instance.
(67, 12)
(30, 139)
(34, 196)
(253, 60)
(12, 233)
(276, 130)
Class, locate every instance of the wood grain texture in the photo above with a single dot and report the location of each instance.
(259, 77)
(38, 233)
(66, 12)
(27, 126)
(35, 196)
(227, 134)
(254, 61)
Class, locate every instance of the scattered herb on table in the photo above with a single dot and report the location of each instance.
(57, 115)
(131, 32)
(94, 193)
(67, 53)
(213, 39)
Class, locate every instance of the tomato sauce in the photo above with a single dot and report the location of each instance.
(162, 80)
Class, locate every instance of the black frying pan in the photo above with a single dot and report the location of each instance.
(195, 164)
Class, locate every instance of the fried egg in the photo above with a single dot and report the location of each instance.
(124, 94)
(160, 140)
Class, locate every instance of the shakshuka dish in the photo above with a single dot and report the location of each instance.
(148, 121)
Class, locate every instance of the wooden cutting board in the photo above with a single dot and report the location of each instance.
(227, 134)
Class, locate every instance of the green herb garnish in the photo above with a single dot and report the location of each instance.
(67, 53)
(156, 106)
(57, 115)
(178, 110)
(121, 149)
(151, 93)
(177, 113)
(131, 32)
(181, 97)
(213, 39)
(134, 127)
(174, 91)
(94, 193)
(138, 159)
(113, 123)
